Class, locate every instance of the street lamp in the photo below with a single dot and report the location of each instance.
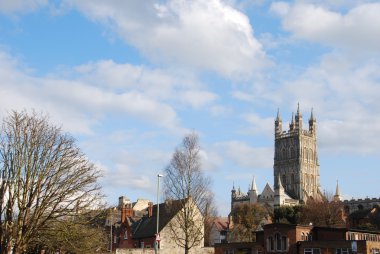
(158, 212)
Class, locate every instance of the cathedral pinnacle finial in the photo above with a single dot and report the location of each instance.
(278, 117)
(298, 108)
(253, 185)
(279, 184)
(312, 115)
(337, 192)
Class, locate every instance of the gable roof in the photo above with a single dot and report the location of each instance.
(147, 226)
(221, 223)
(267, 192)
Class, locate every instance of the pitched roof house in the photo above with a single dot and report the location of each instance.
(140, 232)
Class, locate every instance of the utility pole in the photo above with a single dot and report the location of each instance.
(156, 246)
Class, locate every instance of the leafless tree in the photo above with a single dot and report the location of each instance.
(247, 218)
(185, 181)
(44, 178)
(209, 215)
(322, 213)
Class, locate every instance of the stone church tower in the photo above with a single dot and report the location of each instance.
(296, 158)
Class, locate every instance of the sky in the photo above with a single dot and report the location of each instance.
(129, 79)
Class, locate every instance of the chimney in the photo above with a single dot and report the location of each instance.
(126, 211)
(150, 209)
(123, 214)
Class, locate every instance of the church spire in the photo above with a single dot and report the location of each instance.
(253, 185)
(337, 196)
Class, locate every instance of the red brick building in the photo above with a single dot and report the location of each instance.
(296, 239)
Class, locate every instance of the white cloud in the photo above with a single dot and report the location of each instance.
(206, 35)
(258, 125)
(246, 156)
(198, 99)
(9, 7)
(345, 95)
(357, 29)
(210, 160)
(78, 104)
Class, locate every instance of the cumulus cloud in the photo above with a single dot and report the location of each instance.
(205, 35)
(357, 29)
(76, 103)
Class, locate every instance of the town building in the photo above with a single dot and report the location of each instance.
(136, 228)
(305, 239)
(218, 231)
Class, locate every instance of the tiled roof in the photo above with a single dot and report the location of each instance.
(221, 223)
(147, 226)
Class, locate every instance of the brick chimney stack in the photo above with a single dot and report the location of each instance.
(150, 209)
(126, 211)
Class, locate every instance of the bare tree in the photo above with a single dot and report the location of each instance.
(247, 218)
(44, 178)
(210, 214)
(322, 213)
(184, 181)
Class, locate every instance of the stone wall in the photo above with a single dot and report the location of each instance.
(206, 250)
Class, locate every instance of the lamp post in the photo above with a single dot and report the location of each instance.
(158, 212)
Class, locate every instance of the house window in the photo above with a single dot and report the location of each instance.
(278, 241)
(126, 235)
(342, 251)
(270, 243)
(284, 242)
(312, 251)
(310, 237)
(303, 238)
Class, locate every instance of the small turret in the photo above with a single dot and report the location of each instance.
(298, 119)
(312, 123)
(278, 124)
(291, 125)
(233, 191)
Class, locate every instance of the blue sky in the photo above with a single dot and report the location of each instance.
(128, 79)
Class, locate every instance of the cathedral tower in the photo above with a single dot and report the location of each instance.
(296, 158)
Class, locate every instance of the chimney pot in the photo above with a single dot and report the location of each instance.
(150, 209)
